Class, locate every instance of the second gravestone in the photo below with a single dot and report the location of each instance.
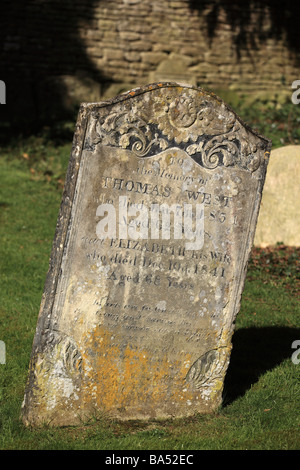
(149, 259)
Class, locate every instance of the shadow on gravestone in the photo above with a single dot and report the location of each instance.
(149, 259)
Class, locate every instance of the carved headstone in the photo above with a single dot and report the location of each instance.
(149, 259)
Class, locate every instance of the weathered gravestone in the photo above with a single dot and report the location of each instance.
(149, 259)
(279, 216)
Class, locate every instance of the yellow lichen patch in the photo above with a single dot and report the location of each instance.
(117, 379)
(170, 157)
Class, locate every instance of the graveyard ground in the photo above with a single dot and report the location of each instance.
(262, 387)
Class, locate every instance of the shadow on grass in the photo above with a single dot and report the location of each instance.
(255, 351)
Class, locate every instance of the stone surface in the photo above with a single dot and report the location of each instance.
(279, 216)
(138, 323)
(175, 69)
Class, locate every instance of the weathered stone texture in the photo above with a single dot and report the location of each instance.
(138, 324)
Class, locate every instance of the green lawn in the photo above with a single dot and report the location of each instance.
(261, 407)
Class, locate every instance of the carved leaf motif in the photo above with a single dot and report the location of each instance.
(110, 122)
(203, 368)
(64, 348)
(163, 144)
(125, 128)
(71, 357)
(148, 133)
(254, 163)
(41, 366)
(124, 141)
(230, 154)
(194, 148)
(228, 159)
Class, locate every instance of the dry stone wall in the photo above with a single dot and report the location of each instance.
(133, 40)
(74, 50)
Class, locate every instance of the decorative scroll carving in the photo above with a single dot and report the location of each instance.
(206, 132)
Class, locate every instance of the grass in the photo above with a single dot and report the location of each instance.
(262, 387)
(277, 119)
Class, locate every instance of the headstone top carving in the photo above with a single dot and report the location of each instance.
(198, 122)
(149, 259)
